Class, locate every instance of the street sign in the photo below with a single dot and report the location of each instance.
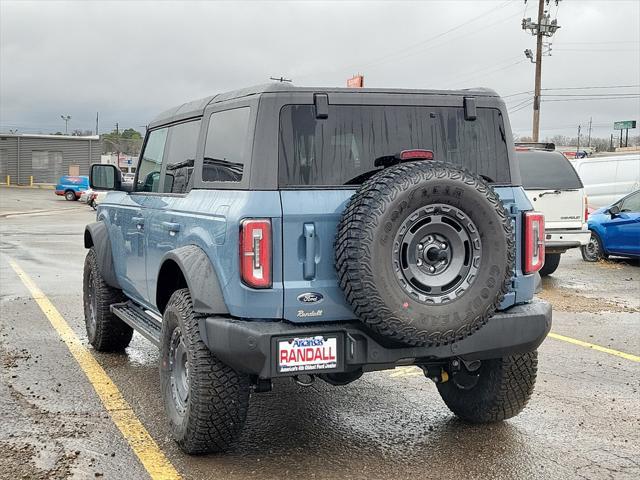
(624, 125)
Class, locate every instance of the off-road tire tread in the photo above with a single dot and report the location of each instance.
(112, 334)
(354, 240)
(502, 394)
(219, 395)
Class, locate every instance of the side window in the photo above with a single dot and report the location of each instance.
(180, 157)
(631, 204)
(151, 161)
(224, 151)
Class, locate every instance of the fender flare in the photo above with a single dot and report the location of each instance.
(200, 276)
(96, 235)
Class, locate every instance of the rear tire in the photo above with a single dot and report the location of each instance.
(106, 332)
(551, 262)
(206, 401)
(502, 389)
(70, 195)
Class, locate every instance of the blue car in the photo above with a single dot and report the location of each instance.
(72, 186)
(615, 230)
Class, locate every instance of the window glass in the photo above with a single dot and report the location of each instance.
(180, 157)
(224, 151)
(547, 171)
(151, 161)
(46, 166)
(342, 149)
(631, 203)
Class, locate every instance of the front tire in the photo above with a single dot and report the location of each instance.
(70, 195)
(551, 262)
(106, 332)
(206, 401)
(593, 252)
(498, 390)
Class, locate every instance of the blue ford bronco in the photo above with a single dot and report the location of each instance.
(322, 233)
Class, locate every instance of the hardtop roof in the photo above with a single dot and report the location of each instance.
(196, 107)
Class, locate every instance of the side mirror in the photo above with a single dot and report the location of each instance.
(104, 176)
(614, 211)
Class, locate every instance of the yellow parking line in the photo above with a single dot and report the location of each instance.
(152, 458)
(610, 351)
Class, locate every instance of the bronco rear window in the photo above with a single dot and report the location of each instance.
(340, 149)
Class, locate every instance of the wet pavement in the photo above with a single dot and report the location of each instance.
(583, 420)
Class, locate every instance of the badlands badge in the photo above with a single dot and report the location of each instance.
(305, 354)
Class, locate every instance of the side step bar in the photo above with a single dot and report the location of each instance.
(146, 325)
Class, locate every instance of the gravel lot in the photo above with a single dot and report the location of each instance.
(582, 422)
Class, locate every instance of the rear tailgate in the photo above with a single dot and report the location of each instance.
(563, 209)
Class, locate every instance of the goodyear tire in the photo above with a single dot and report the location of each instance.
(206, 401)
(499, 389)
(425, 253)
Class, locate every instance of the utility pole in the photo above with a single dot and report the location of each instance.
(545, 27)
(117, 131)
(578, 147)
(589, 141)
(66, 119)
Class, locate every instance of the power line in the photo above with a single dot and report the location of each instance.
(592, 88)
(586, 99)
(589, 94)
(415, 45)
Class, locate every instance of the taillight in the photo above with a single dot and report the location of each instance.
(533, 242)
(255, 252)
(586, 208)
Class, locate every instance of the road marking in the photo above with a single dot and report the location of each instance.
(147, 450)
(592, 346)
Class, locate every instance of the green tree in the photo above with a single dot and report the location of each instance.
(131, 134)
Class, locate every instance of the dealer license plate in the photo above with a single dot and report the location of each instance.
(305, 354)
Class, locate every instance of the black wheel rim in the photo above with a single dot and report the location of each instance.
(436, 253)
(592, 249)
(92, 304)
(179, 371)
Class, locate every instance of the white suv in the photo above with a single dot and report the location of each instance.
(555, 189)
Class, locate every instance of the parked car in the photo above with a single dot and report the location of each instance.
(554, 188)
(72, 186)
(606, 179)
(96, 198)
(321, 233)
(86, 195)
(615, 230)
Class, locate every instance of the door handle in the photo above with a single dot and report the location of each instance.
(171, 226)
(309, 266)
(139, 222)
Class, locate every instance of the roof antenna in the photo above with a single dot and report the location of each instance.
(281, 79)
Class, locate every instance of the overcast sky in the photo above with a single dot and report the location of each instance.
(130, 60)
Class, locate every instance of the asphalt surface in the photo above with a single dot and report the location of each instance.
(582, 422)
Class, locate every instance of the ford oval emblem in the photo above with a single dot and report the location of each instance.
(310, 297)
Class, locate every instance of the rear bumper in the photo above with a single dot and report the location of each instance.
(251, 346)
(558, 241)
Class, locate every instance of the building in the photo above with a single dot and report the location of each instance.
(43, 159)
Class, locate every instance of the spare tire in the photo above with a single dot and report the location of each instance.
(425, 253)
